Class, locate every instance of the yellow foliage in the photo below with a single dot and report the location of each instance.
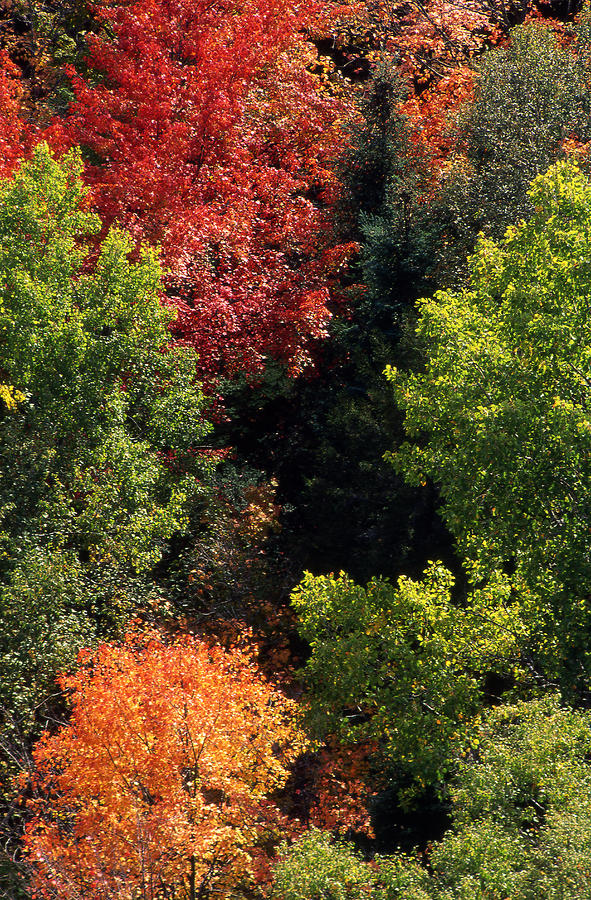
(10, 396)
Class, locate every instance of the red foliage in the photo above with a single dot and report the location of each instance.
(159, 784)
(212, 138)
(333, 788)
(342, 789)
(16, 135)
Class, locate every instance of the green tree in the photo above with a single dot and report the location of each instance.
(403, 667)
(521, 808)
(317, 868)
(385, 173)
(499, 417)
(99, 440)
(529, 96)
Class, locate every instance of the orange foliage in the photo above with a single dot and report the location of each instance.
(159, 785)
(578, 151)
(430, 36)
(228, 567)
(431, 112)
(426, 37)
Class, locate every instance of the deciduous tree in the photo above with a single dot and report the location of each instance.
(100, 432)
(499, 418)
(529, 95)
(103, 401)
(206, 133)
(159, 786)
(403, 666)
(521, 806)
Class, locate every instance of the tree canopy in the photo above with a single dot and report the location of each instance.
(499, 416)
(100, 430)
(215, 221)
(158, 785)
(207, 134)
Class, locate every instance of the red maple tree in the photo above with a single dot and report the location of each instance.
(209, 135)
(16, 135)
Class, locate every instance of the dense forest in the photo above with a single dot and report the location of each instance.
(295, 450)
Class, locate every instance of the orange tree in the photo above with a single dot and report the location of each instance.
(159, 785)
